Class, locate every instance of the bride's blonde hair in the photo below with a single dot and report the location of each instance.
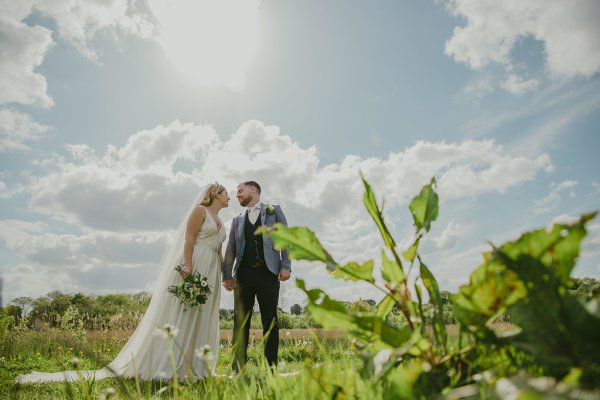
(213, 191)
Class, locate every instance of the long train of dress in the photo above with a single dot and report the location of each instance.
(147, 354)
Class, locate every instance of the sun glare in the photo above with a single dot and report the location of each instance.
(209, 42)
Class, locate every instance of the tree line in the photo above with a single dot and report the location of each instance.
(123, 311)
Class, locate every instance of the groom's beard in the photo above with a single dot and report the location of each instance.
(244, 201)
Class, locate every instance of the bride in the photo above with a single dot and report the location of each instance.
(146, 354)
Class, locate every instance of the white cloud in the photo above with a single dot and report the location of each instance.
(559, 105)
(23, 49)
(479, 87)
(544, 134)
(83, 252)
(8, 192)
(35, 281)
(592, 242)
(119, 189)
(447, 239)
(122, 200)
(17, 128)
(78, 21)
(517, 86)
(568, 30)
(551, 201)
(132, 188)
(12, 229)
(158, 149)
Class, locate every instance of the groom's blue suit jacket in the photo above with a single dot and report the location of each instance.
(275, 259)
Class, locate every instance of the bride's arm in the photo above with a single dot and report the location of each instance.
(191, 232)
(220, 253)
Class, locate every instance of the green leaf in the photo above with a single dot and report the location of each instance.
(391, 271)
(355, 272)
(528, 278)
(411, 252)
(385, 306)
(380, 333)
(557, 248)
(400, 382)
(301, 243)
(313, 294)
(491, 289)
(331, 313)
(555, 326)
(419, 294)
(433, 289)
(376, 214)
(424, 207)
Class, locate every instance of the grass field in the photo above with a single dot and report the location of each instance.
(301, 353)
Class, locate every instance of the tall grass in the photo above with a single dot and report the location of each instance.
(50, 350)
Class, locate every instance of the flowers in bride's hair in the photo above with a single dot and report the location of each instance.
(270, 209)
(205, 353)
(192, 291)
(167, 331)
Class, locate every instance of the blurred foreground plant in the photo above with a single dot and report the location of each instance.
(527, 279)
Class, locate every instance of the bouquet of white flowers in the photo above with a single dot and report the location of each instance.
(192, 291)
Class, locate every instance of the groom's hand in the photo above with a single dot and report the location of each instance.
(284, 275)
(229, 284)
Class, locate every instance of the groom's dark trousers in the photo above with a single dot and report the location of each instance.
(254, 280)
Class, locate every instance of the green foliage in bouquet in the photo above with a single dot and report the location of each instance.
(553, 337)
(192, 291)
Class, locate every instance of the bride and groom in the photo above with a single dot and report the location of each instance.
(251, 267)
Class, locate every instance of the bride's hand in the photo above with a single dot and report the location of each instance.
(185, 271)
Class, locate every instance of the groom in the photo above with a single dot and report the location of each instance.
(253, 269)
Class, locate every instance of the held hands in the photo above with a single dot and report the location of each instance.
(229, 284)
(284, 275)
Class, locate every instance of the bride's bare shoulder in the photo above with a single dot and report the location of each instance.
(198, 213)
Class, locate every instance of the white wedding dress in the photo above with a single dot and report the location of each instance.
(146, 353)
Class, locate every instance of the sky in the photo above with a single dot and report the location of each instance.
(114, 114)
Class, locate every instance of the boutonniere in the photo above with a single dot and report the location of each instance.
(270, 209)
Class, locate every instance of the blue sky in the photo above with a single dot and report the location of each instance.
(114, 114)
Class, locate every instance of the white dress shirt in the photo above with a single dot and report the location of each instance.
(254, 212)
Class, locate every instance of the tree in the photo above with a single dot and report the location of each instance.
(24, 304)
(296, 309)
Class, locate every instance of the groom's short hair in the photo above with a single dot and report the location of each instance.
(253, 184)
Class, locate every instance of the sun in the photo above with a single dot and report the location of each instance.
(209, 42)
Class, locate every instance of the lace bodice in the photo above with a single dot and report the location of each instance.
(209, 235)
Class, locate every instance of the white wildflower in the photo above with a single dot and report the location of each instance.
(167, 331)
(205, 353)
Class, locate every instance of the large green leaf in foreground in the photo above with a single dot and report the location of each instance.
(370, 327)
(528, 279)
(301, 243)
